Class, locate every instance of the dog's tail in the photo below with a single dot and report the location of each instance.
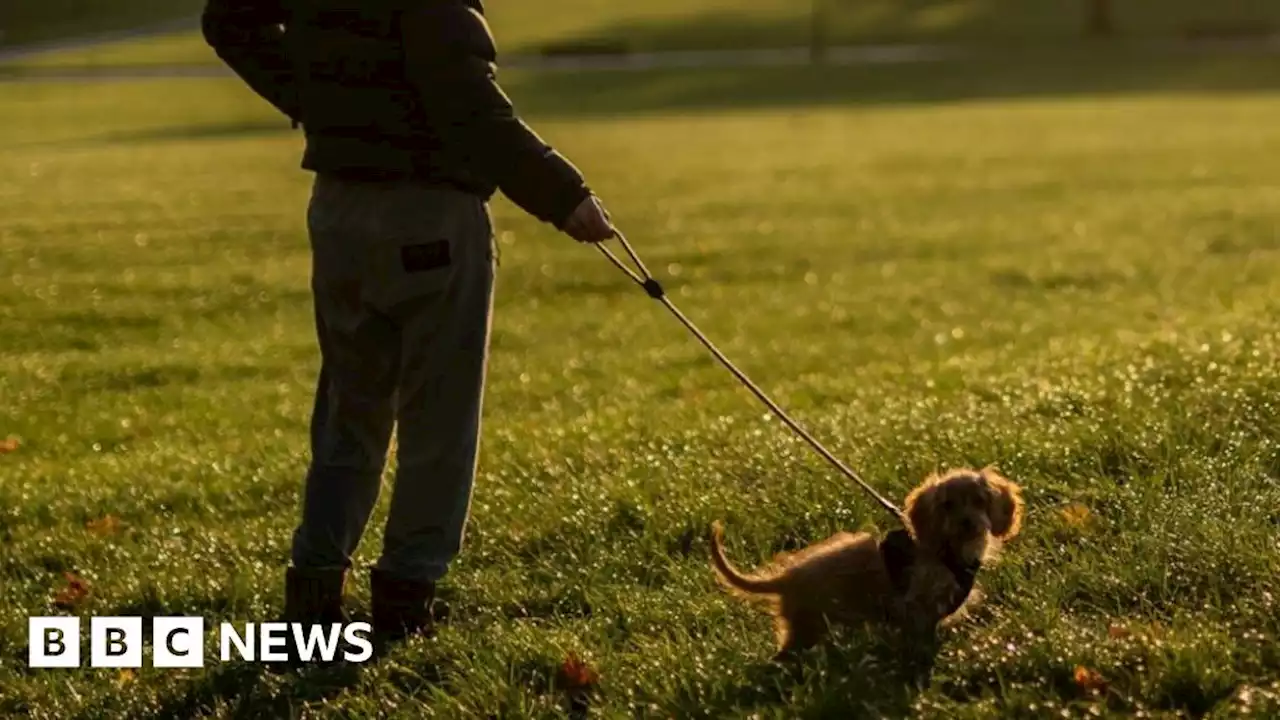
(730, 575)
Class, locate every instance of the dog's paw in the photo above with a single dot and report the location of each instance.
(965, 612)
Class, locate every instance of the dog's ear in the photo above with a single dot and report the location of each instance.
(1006, 506)
(920, 511)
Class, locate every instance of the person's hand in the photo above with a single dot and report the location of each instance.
(590, 222)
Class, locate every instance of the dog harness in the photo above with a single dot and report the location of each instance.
(898, 551)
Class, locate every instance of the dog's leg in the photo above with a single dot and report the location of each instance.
(964, 612)
(799, 630)
(924, 607)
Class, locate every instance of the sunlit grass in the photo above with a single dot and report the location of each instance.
(1083, 291)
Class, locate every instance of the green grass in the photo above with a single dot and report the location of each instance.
(709, 24)
(1032, 264)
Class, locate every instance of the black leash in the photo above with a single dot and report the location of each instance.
(654, 289)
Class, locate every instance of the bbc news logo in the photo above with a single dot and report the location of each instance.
(178, 642)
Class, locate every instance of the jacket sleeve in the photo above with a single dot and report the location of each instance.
(451, 59)
(248, 36)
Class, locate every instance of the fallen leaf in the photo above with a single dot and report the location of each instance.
(1076, 514)
(578, 675)
(125, 677)
(106, 525)
(1118, 632)
(9, 445)
(76, 591)
(1090, 680)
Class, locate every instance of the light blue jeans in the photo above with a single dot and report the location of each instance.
(402, 279)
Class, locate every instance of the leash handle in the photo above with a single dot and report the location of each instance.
(654, 289)
(644, 278)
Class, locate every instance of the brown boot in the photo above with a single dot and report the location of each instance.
(401, 608)
(312, 597)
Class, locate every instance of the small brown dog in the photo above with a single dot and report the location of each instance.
(915, 578)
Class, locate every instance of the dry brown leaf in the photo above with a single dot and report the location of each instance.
(76, 591)
(1090, 680)
(1118, 632)
(1076, 514)
(9, 445)
(106, 525)
(577, 674)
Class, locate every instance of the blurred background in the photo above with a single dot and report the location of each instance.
(601, 26)
(1039, 233)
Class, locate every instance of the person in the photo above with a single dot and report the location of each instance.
(409, 135)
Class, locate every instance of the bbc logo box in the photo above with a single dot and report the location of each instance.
(178, 642)
(115, 642)
(54, 642)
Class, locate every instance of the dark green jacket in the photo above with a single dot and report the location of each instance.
(395, 89)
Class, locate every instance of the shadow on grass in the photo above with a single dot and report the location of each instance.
(1057, 72)
(1064, 71)
(242, 690)
(864, 673)
(196, 132)
(912, 21)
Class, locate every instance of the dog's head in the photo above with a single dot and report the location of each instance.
(960, 511)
